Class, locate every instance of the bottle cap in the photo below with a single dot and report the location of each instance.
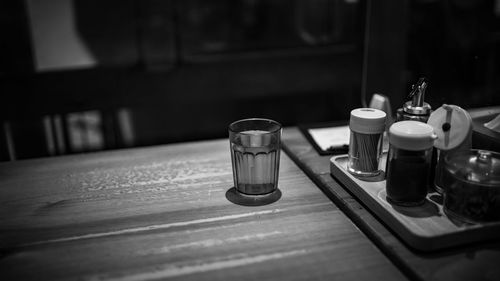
(411, 135)
(452, 125)
(367, 121)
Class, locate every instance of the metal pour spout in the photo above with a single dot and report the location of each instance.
(417, 93)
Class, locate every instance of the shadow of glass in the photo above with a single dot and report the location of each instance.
(428, 209)
(252, 200)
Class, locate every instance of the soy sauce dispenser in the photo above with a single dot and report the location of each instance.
(416, 108)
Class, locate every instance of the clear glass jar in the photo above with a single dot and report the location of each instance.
(365, 143)
(471, 184)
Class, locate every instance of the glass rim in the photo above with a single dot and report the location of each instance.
(255, 119)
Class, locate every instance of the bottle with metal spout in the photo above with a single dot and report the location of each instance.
(416, 108)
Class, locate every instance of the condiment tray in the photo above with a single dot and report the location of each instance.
(426, 227)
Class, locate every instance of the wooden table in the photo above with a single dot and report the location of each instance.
(480, 261)
(161, 213)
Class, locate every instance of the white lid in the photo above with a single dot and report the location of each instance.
(367, 120)
(411, 135)
(452, 125)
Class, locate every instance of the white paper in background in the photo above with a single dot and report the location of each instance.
(328, 137)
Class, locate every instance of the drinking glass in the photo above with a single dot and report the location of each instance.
(255, 155)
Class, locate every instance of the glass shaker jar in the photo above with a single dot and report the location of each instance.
(409, 162)
(367, 127)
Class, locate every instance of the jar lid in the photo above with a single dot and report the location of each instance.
(475, 166)
(452, 125)
(411, 135)
(367, 120)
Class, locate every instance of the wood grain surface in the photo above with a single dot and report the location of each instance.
(472, 262)
(161, 213)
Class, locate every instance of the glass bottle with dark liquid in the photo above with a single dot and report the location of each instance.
(407, 176)
(409, 162)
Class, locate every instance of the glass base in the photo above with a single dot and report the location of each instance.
(369, 177)
(363, 174)
(239, 198)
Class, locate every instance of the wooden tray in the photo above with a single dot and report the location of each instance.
(425, 227)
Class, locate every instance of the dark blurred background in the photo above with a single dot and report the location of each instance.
(86, 75)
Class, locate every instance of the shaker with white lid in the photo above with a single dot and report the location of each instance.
(409, 162)
(367, 127)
